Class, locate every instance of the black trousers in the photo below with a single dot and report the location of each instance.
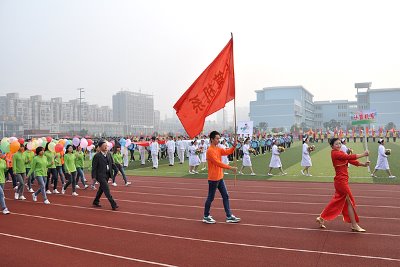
(104, 188)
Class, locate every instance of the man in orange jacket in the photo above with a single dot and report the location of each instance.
(216, 178)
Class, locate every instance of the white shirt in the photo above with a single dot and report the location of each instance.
(171, 145)
(154, 147)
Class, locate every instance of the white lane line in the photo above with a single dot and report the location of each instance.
(254, 200)
(86, 250)
(241, 224)
(248, 200)
(197, 220)
(252, 192)
(261, 183)
(202, 240)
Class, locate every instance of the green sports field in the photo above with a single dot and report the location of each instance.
(321, 170)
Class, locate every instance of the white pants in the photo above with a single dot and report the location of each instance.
(142, 157)
(171, 157)
(181, 155)
(154, 158)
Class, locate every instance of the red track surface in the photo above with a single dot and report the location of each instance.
(159, 222)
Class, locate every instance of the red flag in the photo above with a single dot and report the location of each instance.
(209, 93)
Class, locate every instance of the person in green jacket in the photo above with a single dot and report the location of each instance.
(39, 168)
(28, 163)
(3, 167)
(79, 162)
(51, 170)
(117, 157)
(59, 166)
(70, 170)
(19, 171)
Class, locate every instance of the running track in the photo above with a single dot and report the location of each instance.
(158, 223)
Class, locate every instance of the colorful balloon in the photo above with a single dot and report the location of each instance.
(90, 142)
(21, 141)
(52, 146)
(58, 148)
(14, 146)
(49, 139)
(84, 143)
(76, 141)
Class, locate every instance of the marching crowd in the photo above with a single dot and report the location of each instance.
(48, 166)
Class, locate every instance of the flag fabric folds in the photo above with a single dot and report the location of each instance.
(209, 93)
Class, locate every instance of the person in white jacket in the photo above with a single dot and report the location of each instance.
(275, 159)
(154, 149)
(142, 152)
(194, 160)
(181, 150)
(203, 155)
(305, 158)
(246, 161)
(171, 150)
(382, 162)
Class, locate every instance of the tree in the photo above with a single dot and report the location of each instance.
(83, 132)
(390, 126)
(332, 124)
(294, 128)
(263, 126)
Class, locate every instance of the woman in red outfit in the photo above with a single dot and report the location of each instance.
(342, 201)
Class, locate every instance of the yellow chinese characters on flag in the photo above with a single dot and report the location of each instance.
(209, 93)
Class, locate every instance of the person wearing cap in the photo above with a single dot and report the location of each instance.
(101, 172)
(19, 170)
(275, 159)
(343, 147)
(3, 167)
(246, 160)
(382, 161)
(305, 158)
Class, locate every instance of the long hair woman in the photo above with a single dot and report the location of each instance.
(343, 201)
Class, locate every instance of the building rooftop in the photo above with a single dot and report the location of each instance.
(284, 87)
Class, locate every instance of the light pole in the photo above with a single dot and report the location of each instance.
(81, 90)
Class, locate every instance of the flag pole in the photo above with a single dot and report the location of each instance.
(366, 145)
(234, 124)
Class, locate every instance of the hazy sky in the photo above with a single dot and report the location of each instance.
(53, 47)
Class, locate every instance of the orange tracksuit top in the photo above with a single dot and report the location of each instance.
(214, 162)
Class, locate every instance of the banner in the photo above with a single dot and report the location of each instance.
(363, 117)
(245, 127)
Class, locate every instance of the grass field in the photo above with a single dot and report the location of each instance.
(321, 170)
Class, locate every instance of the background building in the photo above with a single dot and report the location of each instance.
(134, 110)
(338, 110)
(283, 106)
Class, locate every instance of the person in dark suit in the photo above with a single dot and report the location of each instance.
(101, 171)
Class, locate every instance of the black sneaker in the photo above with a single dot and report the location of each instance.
(208, 219)
(97, 205)
(115, 207)
(232, 219)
